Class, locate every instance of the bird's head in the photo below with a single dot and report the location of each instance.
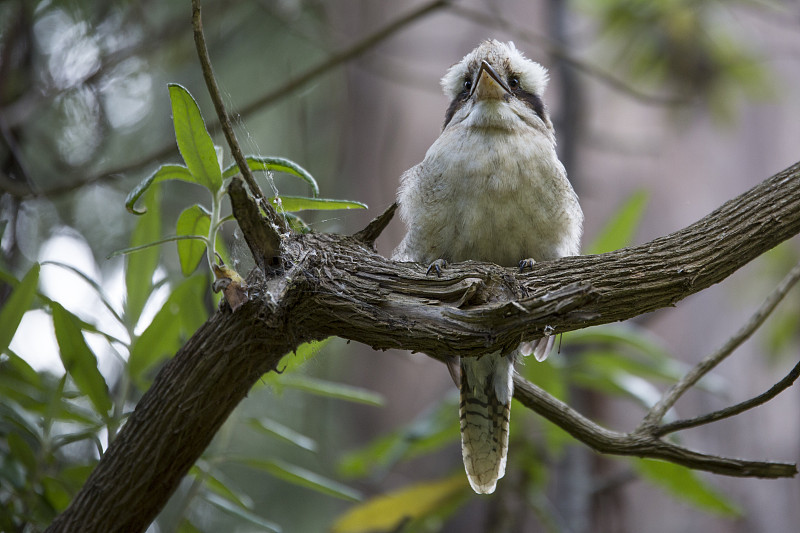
(495, 87)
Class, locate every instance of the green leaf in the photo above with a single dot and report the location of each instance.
(163, 173)
(304, 478)
(432, 429)
(96, 286)
(217, 486)
(21, 450)
(194, 220)
(628, 335)
(78, 359)
(187, 527)
(267, 425)
(140, 267)
(548, 376)
(244, 514)
(16, 305)
(292, 362)
(57, 495)
(275, 164)
(390, 511)
(171, 238)
(299, 203)
(621, 228)
(194, 142)
(178, 318)
(684, 484)
(340, 391)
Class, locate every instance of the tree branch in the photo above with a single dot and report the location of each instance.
(638, 444)
(339, 58)
(657, 412)
(270, 243)
(338, 285)
(733, 410)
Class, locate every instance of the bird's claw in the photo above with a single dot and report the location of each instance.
(526, 263)
(437, 267)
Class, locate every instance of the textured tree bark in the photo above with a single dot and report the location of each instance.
(338, 285)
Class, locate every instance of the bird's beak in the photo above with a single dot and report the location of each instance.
(489, 85)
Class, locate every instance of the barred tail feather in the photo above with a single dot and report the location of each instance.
(485, 411)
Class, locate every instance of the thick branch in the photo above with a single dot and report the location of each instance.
(335, 285)
(177, 418)
(478, 307)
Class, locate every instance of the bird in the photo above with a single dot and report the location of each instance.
(490, 188)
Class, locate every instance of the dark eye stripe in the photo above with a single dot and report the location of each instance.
(454, 106)
(533, 101)
(530, 99)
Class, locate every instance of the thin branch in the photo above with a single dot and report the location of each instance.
(376, 226)
(638, 444)
(219, 106)
(672, 395)
(733, 410)
(559, 52)
(272, 243)
(325, 66)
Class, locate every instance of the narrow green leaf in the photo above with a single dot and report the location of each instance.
(620, 230)
(194, 142)
(171, 238)
(435, 427)
(21, 450)
(629, 335)
(222, 489)
(291, 362)
(304, 478)
(194, 220)
(140, 267)
(267, 425)
(244, 514)
(298, 203)
(187, 527)
(56, 493)
(92, 283)
(684, 484)
(340, 391)
(275, 164)
(17, 304)
(78, 359)
(388, 512)
(163, 173)
(177, 319)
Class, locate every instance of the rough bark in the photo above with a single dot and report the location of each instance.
(338, 285)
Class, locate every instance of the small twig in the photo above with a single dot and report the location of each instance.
(258, 234)
(672, 395)
(639, 444)
(225, 121)
(559, 52)
(269, 246)
(345, 55)
(376, 226)
(733, 410)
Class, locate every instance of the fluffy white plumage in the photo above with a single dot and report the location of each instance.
(490, 188)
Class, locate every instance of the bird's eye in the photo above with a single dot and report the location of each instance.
(467, 84)
(513, 82)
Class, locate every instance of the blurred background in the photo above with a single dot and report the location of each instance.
(663, 111)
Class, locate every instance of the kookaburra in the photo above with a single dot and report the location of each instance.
(490, 188)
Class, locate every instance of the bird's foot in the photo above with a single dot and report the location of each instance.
(526, 263)
(437, 267)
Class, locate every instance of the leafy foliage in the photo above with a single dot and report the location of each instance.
(43, 416)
